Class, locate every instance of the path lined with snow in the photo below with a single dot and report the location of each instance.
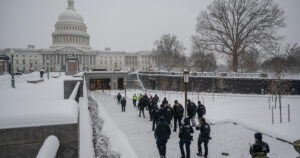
(227, 137)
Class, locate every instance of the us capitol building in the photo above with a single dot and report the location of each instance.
(71, 49)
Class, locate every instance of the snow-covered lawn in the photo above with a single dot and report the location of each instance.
(250, 111)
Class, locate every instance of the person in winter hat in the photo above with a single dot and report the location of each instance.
(200, 111)
(178, 111)
(185, 135)
(204, 137)
(258, 142)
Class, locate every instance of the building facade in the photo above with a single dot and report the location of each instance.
(70, 39)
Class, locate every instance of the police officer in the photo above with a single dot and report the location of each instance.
(191, 111)
(200, 111)
(134, 98)
(185, 135)
(141, 106)
(162, 134)
(156, 98)
(204, 137)
(119, 97)
(155, 117)
(123, 104)
(167, 112)
(164, 102)
(258, 142)
(178, 114)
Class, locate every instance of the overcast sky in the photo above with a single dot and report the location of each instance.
(126, 25)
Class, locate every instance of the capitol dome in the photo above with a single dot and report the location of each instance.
(70, 30)
(70, 15)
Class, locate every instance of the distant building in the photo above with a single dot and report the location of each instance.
(70, 39)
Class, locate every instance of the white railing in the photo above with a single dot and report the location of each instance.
(74, 92)
(49, 148)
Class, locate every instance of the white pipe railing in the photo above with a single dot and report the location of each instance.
(49, 148)
(74, 92)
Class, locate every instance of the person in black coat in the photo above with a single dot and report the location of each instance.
(156, 98)
(151, 106)
(185, 135)
(164, 102)
(191, 111)
(142, 104)
(259, 144)
(155, 117)
(162, 134)
(119, 97)
(178, 114)
(204, 137)
(200, 111)
(123, 104)
(167, 112)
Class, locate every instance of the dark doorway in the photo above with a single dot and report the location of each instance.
(99, 84)
(120, 83)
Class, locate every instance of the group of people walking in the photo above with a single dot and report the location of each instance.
(163, 116)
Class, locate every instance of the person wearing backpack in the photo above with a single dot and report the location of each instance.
(191, 111)
(167, 112)
(185, 135)
(200, 111)
(178, 114)
(162, 134)
(204, 137)
(258, 142)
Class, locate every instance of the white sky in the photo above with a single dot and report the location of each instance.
(127, 25)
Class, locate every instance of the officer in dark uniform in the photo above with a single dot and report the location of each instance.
(185, 135)
(178, 114)
(119, 97)
(191, 111)
(123, 104)
(167, 112)
(155, 116)
(142, 104)
(258, 142)
(204, 137)
(162, 134)
(200, 111)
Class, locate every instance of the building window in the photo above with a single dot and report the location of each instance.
(17, 62)
(24, 62)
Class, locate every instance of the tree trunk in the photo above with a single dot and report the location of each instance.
(234, 61)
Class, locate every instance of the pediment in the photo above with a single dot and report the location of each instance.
(69, 49)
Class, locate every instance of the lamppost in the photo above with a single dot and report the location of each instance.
(12, 72)
(48, 69)
(125, 84)
(185, 81)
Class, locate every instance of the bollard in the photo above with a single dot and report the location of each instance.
(272, 114)
(289, 113)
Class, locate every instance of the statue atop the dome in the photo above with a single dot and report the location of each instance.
(71, 4)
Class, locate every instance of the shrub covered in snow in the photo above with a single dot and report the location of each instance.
(101, 142)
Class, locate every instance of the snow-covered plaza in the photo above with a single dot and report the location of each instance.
(234, 118)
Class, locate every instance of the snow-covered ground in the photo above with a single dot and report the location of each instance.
(35, 104)
(249, 111)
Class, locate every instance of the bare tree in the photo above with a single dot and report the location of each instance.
(233, 26)
(249, 61)
(202, 60)
(292, 51)
(169, 52)
(164, 84)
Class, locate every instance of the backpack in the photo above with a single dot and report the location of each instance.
(185, 132)
(178, 108)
